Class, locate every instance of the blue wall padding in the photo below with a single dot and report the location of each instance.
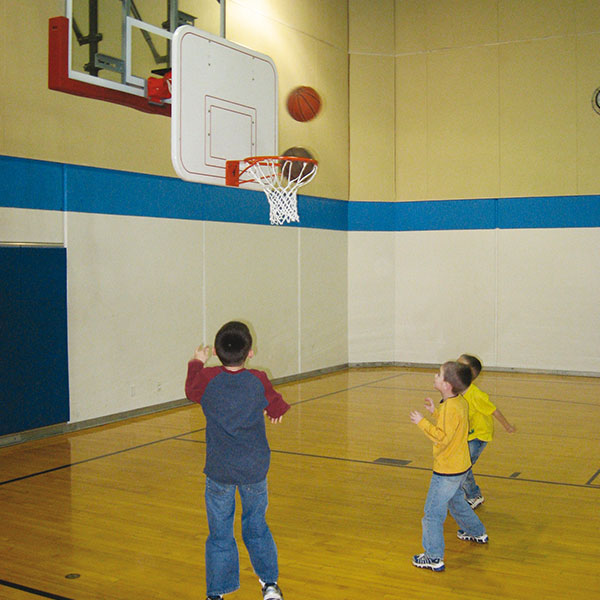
(33, 338)
(43, 185)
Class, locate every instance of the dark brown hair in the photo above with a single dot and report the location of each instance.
(233, 343)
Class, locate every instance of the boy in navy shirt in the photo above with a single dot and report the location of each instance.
(234, 400)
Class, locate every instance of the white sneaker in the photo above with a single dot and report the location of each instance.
(480, 539)
(475, 502)
(271, 591)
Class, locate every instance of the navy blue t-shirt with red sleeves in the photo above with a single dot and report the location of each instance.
(233, 402)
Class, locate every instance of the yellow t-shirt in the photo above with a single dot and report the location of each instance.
(481, 423)
(449, 435)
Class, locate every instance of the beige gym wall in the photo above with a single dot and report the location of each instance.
(372, 98)
(492, 100)
(495, 96)
(378, 291)
(144, 292)
(307, 41)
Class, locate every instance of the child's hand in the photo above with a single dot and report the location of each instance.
(416, 416)
(429, 405)
(202, 353)
(274, 420)
(511, 428)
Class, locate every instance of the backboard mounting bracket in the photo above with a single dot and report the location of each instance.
(59, 80)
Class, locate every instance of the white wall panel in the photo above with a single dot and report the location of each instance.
(519, 299)
(371, 301)
(549, 299)
(143, 293)
(23, 225)
(252, 276)
(135, 310)
(445, 295)
(323, 334)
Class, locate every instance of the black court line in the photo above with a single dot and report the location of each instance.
(354, 387)
(181, 437)
(388, 462)
(24, 588)
(431, 391)
(86, 460)
(402, 464)
(589, 482)
(174, 437)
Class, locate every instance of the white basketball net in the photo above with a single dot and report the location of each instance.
(280, 178)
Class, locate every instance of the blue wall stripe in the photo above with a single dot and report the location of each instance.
(106, 191)
(445, 215)
(557, 211)
(371, 216)
(30, 183)
(26, 183)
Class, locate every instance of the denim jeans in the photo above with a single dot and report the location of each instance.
(445, 493)
(470, 488)
(221, 553)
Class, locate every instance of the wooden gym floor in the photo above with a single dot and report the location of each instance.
(117, 512)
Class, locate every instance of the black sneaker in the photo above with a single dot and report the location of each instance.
(271, 591)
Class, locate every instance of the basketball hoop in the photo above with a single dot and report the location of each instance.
(279, 176)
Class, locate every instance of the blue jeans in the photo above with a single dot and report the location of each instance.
(470, 488)
(221, 554)
(445, 493)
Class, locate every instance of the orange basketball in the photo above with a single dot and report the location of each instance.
(303, 103)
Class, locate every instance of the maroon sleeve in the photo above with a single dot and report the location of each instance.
(277, 405)
(196, 381)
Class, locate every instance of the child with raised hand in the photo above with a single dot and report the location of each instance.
(234, 399)
(481, 426)
(451, 463)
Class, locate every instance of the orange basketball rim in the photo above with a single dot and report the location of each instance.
(279, 177)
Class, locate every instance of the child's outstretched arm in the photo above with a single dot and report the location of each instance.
(196, 381)
(277, 405)
(202, 353)
(502, 419)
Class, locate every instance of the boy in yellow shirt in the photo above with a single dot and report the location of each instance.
(451, 463)
(481, 426)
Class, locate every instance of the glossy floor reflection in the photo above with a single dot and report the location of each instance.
(121, 506)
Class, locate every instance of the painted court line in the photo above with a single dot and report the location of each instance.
(589, 482)
(24, 588)
(174, 437)
(398, 463)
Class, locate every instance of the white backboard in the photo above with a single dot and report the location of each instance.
(223, 106)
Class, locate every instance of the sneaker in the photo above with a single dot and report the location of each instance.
(426, 562)
(214, 597)
(475, 502)
(480, 539)
(271, 591)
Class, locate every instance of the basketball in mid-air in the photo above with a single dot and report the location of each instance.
(294, 169)
(303, 103)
